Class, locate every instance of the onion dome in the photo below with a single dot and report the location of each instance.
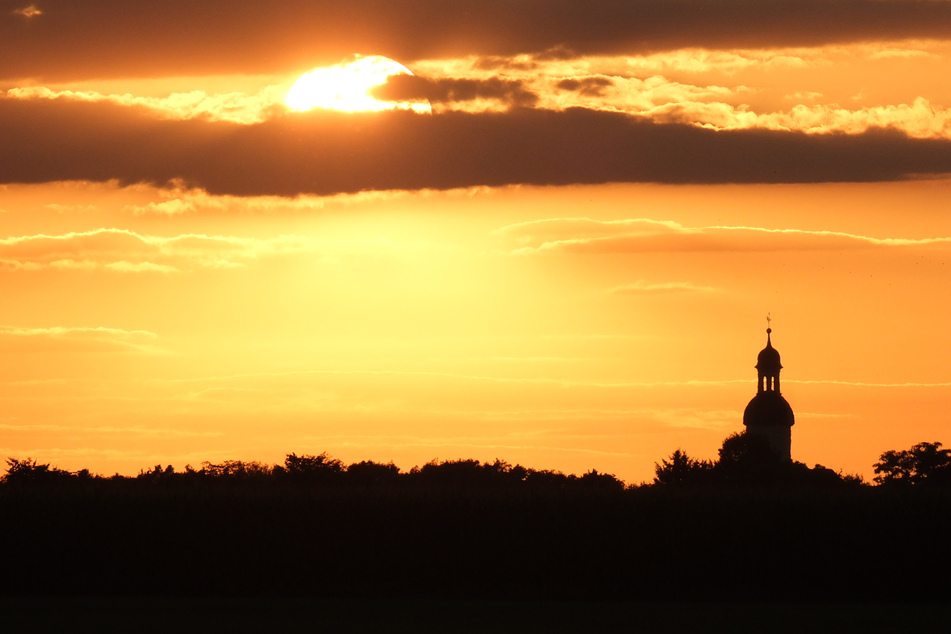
(768, 409)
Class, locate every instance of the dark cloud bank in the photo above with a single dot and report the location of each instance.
(116, 38)
(326, 152)
(410, 87)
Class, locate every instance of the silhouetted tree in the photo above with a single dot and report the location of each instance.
(546, 480)
(234, 470)
(372, 473)
(604, 481)
(749, 459)
(157, 474)
(473, 474)
(313, 469)
(681, 470)
(924, 463)
(466, 472)
(28, 472)
(821, 476)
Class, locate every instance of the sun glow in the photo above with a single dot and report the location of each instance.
(346, 87)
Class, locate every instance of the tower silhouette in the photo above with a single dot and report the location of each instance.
(768, 414)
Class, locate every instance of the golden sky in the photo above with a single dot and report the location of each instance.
(567, 263)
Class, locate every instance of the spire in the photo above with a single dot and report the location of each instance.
(768, 413)
(768, 365)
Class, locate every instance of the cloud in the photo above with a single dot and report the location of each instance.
(537, 232)
(656, 97)
(630, 94)
(491, 93)
(235, 107)
(137, 430)
(125, 251)
(327, 153)
(183, 37)
(62, 209)
(697, 418)
(179, 199)
(59, 338)
(584, 235)
(675, 87)
(28, 12)
(875, 385)
(642, 287)
(590, 86)
(901, 53)
(390, 375)
(920, 120)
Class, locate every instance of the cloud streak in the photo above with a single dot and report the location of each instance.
(584, 235)
(125, 251)
(182, 37)
(329, 153)
(234, 107)
(642, 287)
(466, 94)
(60, 338)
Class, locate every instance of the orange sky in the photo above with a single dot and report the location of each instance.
(568, 264)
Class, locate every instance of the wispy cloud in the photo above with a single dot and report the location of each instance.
(698, 418)
(234, 107)
(136, 430)
(675, 87)
(908, 384)
(460, 377)
(585, 235)
(643, 287)
(125, 251)
(78, 338)
(921, 119)
(179, 199)
(29, 11)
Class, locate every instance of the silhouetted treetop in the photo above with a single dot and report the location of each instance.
(682, 470)
(745, 460)
(28, 472)
(316, 469)
(925, 463)
(323, 471)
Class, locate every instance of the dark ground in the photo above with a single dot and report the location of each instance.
(456, 559)
(146, 614)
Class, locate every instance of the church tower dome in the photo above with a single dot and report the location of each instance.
(768, 414)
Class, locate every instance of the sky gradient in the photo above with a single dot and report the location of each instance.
(568, 264)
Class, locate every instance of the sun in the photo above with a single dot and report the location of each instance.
(346, 87)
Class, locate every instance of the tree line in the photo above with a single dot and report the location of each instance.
(743, 460)
(745, 527)
(746, 459)
(320, 471)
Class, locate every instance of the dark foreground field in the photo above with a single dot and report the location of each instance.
(861, 546)
(257, 615)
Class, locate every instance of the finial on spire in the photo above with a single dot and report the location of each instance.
(768, 321)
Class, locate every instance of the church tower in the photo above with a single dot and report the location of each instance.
(769, 415)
